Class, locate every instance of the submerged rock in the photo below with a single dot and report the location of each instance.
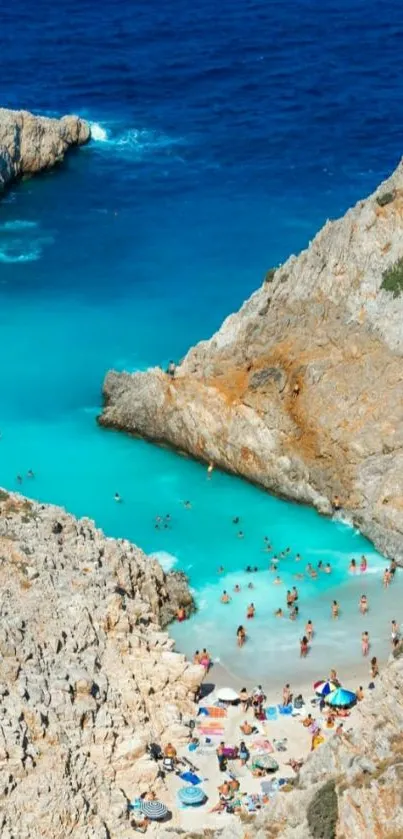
(30, 144)
(301, 391)
(88, 677)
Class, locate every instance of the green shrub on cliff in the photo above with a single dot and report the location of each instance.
(322, 812)
(393, 279)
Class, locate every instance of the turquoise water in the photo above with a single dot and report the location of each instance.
(224, 137)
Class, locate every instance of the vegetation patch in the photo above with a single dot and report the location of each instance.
(393, 279)
(4, 495)
(385, 198)
(322, 812)
(269, 277)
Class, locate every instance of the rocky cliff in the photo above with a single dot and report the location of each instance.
(30, 144)
(301, 391)
(87, 675)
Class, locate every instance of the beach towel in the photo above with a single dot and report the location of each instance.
(190, 777)
(210, 733)
(262, 745)
(215, 712)
(285, 710)
(271, 713)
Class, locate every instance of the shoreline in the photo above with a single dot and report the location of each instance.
(352, 677)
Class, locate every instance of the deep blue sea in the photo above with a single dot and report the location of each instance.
(225, 134)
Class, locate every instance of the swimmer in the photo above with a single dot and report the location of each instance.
(298, 557)
(250, 612)
(250, 585)
(210, 470)
(277, 581)
(117, 498)
(309, 630)
(304, 647)
(30, 474)
(363, 605)
(287, 551)
(273, 567)
(275, 558)
(387, 577)
(241, 636)
(167, 517)
(220, 569)
(328, 568)
(295, 594)
(225, 598)
(255, 568)
(363, 564)
(394, 631)
(352, 567)
(181, 614)
(248, 569)
(320, 566)
(365, 643)
(235, 520)
(187, 505)
(314, 574)
(309, 569)
(237, 589)
(335, 609)
(19, 479)
(393, 568)
(278, 613)
(298, 576)
(294, 613)
(240, 534)
(289, 598)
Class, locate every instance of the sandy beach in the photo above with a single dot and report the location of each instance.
(283, 736)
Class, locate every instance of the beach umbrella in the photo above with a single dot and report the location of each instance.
(265, 761)
(341, 698)
(324, 687)
(227, 695)
(154, 810)
(192, 796)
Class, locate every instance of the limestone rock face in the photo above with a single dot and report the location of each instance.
(30, 144)
(87, 674)
(301, 390)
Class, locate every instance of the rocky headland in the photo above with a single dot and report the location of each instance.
(301, 391)
(88, 676)
(31, 144)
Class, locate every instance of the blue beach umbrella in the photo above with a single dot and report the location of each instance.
(341, 698)
(154, 810)
(324, 687)
(192, 796)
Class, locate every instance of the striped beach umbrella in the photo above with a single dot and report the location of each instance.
(341, 698)
(192, 796)
(324, 687)
(154, 810)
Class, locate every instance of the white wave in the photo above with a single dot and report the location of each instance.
(98, 133)
(8, 256)
(131, 141)
(165, 559)
(18, 224)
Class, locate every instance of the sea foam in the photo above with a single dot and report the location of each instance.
(165, 559)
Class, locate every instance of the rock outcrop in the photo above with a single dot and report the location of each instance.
(87, 674)
(301, 391)
(30, 144)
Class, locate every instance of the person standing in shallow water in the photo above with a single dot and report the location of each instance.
(365, 643)
(335, 609)
(241, 636)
